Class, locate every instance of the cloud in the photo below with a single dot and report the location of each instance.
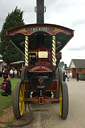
(77, 48)
(67, 55)
(68, 13)
(26, 6)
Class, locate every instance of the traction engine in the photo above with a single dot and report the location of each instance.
(41, 79)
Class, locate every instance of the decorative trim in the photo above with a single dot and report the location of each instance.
(26, 51)
(54, 50)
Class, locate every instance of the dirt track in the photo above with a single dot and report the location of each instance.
(47, 116)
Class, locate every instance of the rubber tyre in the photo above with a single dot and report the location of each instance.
(63, 100)
(23, 74)
(16, 101)
(59, 77)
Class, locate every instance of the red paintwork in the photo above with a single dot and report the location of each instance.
(41, 100)
(40, 69)
(51, 29)
(42, 65)
(54, 86)
(47, 61)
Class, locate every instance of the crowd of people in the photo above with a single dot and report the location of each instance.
(5, 86)
(68, 75)
(13, 73)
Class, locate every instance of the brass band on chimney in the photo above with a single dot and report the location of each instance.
(26, 51)
(54, 50)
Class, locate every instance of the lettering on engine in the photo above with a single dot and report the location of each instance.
(40, 29)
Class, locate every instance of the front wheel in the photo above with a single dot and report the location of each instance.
(23, 74)
(18, 101)
(59, 77)
(63, 100)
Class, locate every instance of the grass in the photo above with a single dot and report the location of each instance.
(5, 101)
(10, 122)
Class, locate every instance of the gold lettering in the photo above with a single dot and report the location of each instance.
(39, 67)
(21, 30)
(58, 30)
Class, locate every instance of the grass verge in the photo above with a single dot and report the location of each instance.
(6, 101)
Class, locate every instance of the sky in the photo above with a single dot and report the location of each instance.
(67, 13)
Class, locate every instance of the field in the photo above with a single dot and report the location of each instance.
(5, 102)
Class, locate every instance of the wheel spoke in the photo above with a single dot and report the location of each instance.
(21, 100)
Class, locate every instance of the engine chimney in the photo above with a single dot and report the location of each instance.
(40, 9)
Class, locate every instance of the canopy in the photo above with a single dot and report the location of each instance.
(62, 34)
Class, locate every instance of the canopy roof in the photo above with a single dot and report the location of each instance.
(63, 35)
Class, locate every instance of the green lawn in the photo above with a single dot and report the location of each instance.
(5, 102)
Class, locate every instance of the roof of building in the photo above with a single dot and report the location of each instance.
(18, 62)
(77, 63)
(1, 61)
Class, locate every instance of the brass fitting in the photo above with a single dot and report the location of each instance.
(26, 51)
(54, 50)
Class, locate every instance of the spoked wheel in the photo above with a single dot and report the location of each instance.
(63, 100)
(18, 101)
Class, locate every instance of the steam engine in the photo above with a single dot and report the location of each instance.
(42, 61)
(41, 44)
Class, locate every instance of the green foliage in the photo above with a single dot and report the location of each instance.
(81, 76)
(7, 50)
(62, 64)
(0, 58)
(10, 122)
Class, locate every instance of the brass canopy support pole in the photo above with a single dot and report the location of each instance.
(26, 51)
(54, 50)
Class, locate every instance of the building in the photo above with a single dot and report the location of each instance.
(17, 64)
(77, 65)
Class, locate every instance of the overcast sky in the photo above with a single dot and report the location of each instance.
(67, 13)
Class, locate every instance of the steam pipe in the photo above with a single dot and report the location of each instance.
(40, 11)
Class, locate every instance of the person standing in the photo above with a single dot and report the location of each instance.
(11, 73)
(67, 76)
(77, 76)
(64, 76)
(15, 73)
(70, 74)
(7, 85)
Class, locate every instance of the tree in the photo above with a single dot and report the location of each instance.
(7, 50)
(62, 65)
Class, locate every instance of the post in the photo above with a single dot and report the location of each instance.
(54, 50)
(40, 11)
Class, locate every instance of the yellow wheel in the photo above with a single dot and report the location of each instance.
(18, 100)
(21, 100)
(63, 100)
